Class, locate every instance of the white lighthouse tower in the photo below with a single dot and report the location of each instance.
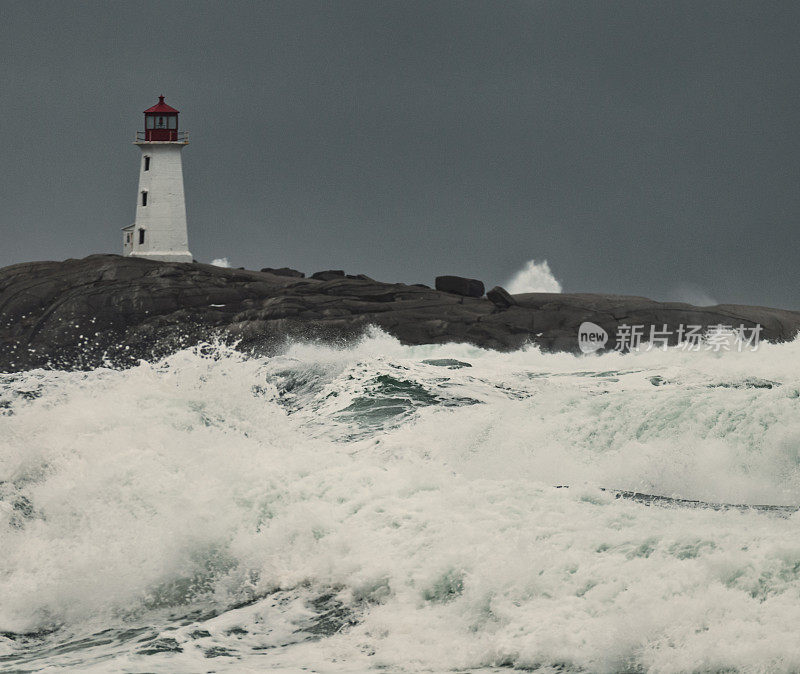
(159, 232)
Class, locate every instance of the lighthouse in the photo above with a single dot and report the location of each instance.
(159, 231)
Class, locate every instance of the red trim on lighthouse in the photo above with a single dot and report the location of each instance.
(161, 107)
(161, 122)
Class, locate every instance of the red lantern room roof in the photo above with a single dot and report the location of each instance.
(161, 107)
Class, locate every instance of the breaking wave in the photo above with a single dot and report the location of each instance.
(391, 507)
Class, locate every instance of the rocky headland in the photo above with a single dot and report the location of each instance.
(116, 310)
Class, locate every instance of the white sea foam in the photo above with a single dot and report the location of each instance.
(413, 501)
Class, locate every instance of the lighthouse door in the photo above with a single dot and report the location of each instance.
(127, 240)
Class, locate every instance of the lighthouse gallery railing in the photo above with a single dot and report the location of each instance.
(173, 136)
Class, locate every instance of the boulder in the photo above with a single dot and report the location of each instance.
(328, 275)
(458, 285)
(501, 298)
(284, 271)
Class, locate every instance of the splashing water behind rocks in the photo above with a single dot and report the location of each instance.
(534, 277)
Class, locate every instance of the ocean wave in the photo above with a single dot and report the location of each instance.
(384, 506)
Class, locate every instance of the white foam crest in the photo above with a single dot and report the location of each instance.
(206, 475)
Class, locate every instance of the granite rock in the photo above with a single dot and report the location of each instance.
(501, 298)
(114, 310)
(458, 285)
(327, 275)
(284, 271)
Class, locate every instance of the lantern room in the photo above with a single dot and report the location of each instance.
(161, 122)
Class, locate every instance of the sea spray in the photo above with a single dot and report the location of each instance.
(534, 277)
(382, 506)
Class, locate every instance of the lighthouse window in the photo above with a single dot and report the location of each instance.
(144, 198)
(161, 124)
(141, 237)
(147, 163)
(173, 122)
(150, 122)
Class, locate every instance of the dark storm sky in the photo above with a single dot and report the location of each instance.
(640, 147)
